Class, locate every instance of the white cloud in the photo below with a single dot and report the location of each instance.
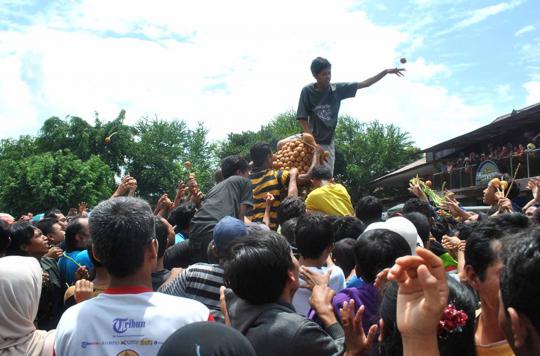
(524, 30)
(238, 66)
(503, 90)
(479, 15)
(533, 92)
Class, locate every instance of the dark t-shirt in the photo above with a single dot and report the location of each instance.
(222, 200)
(321, 108)
(159, 277)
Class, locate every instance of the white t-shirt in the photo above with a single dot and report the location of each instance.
(131, 321)
(301, 297)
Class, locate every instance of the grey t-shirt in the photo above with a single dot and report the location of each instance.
(222, 200)
(321, 108)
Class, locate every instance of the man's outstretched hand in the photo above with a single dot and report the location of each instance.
(396, 71)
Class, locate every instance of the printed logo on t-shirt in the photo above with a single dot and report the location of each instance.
(121, 325)
(127, 353)
(324, 112)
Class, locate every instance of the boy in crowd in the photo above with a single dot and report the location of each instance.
(232, 197)
(519, 316)
(369, 209)
(165, 238)
(123, 237)
(318, 107)
(77, 237)
(264, 276)
(483, 265)
(266, 180)
(315, 242)
(201, 281)
(328, 197)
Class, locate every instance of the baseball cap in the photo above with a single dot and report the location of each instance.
(226, 230)
(402, 227)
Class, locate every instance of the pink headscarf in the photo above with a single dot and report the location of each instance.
(20, 289)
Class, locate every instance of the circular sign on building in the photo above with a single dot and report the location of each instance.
(486, 171)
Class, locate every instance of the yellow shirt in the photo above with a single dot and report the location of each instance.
(330, 199)
(500, 348)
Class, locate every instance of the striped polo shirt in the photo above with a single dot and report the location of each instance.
(267, 181)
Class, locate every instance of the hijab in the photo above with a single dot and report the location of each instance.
(20, 289)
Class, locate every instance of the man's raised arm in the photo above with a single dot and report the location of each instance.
(370, 81)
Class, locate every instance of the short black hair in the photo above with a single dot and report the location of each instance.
(74, 227)
(181, 216)
(456, 343)
(161, 235)
(21, 234)
(218, 176)
(121, 229)
(369, 209)
(321, 172)
(257, 267)
(484, 244)
(348, 227)
(232, 164)
(319, 64)
(51, 213)
(421, 223)
(46, 225)
(520, 276)
(4, 236)
(314, 233)
(378, 249)
(288, 230)
(419, 206)
(259, 152)
(343, 255)
(290, 207)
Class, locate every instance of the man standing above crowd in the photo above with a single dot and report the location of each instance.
(318, 108)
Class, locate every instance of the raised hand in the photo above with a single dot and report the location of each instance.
(84, 290)
(356, 341)
(422, 295)
(396, 71)
(313, 279)
(55, 252)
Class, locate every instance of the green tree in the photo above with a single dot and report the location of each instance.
(365, 151)
(53, 179)
(201, 155)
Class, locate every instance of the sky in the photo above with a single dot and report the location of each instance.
(235, 65)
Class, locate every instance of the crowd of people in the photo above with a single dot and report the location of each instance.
(252, 267)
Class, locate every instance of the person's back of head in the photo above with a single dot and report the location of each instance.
(320, 173)
(343, 255)
(485, 242)
(419, 206)
(290, 207)
(288, 229)
(348, 227)
(369, 209)
(319, 64)
(234, 165)
(181, 216)
(52, 213)
(162, 234)
(122, 229)
(260, 153)
(74, 229)
(258, 267)
(455, 341)
(314, 234)
(421, 223)
(213, 339)
(519, 314)
(376, 250)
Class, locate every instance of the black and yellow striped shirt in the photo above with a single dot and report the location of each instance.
(267, 181)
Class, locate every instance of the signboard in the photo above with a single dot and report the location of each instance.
(486, 171)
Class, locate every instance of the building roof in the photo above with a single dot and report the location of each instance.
(526, 117)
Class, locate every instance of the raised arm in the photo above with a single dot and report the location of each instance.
(304, 124)
(370, 81)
